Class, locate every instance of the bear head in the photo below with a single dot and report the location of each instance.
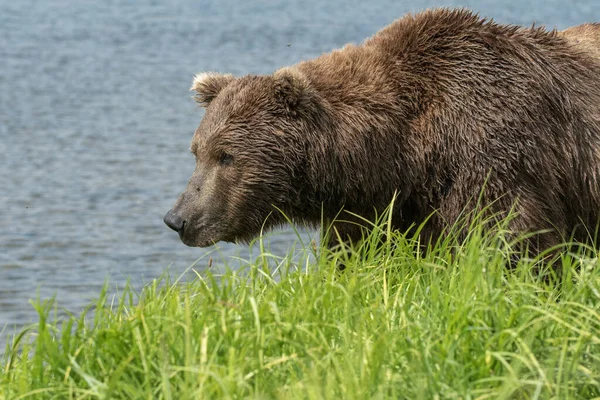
(250, 156)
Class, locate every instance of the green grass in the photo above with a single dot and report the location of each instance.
(453, 322)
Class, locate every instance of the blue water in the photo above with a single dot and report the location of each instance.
(96, 119)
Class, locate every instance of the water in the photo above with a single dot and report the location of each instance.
(96, 119)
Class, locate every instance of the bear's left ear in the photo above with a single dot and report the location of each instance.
(208, 85)
(293, 91)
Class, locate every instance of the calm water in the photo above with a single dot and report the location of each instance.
(96, 119)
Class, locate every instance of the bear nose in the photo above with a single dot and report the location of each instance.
(174, 221)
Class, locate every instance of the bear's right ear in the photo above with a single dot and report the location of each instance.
(208, 85)
(293, 91)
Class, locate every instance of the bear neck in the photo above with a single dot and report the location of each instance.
(357, 159)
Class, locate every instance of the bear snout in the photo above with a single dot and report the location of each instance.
(174, 221)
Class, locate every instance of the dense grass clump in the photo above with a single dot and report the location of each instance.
(461, 320)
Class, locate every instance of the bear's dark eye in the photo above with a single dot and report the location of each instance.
(225, 159)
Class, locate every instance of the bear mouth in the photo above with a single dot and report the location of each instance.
(199, 236)
(182, 232)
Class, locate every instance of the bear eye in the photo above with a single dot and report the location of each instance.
(225, 159)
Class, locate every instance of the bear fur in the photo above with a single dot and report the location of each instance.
(585, 37)
(437, 109)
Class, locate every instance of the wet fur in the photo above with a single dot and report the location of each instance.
(585, 37)
(431, 107)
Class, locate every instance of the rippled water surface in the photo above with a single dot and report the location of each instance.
(96, 119)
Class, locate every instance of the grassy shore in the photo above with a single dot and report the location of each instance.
(453, 322)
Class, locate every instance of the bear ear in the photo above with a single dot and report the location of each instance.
(293, 91)
(208, 85)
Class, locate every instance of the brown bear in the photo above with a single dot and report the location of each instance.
(438, 109)
(585, 36)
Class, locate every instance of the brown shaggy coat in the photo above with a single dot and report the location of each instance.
(437, 107)
(585, 36)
